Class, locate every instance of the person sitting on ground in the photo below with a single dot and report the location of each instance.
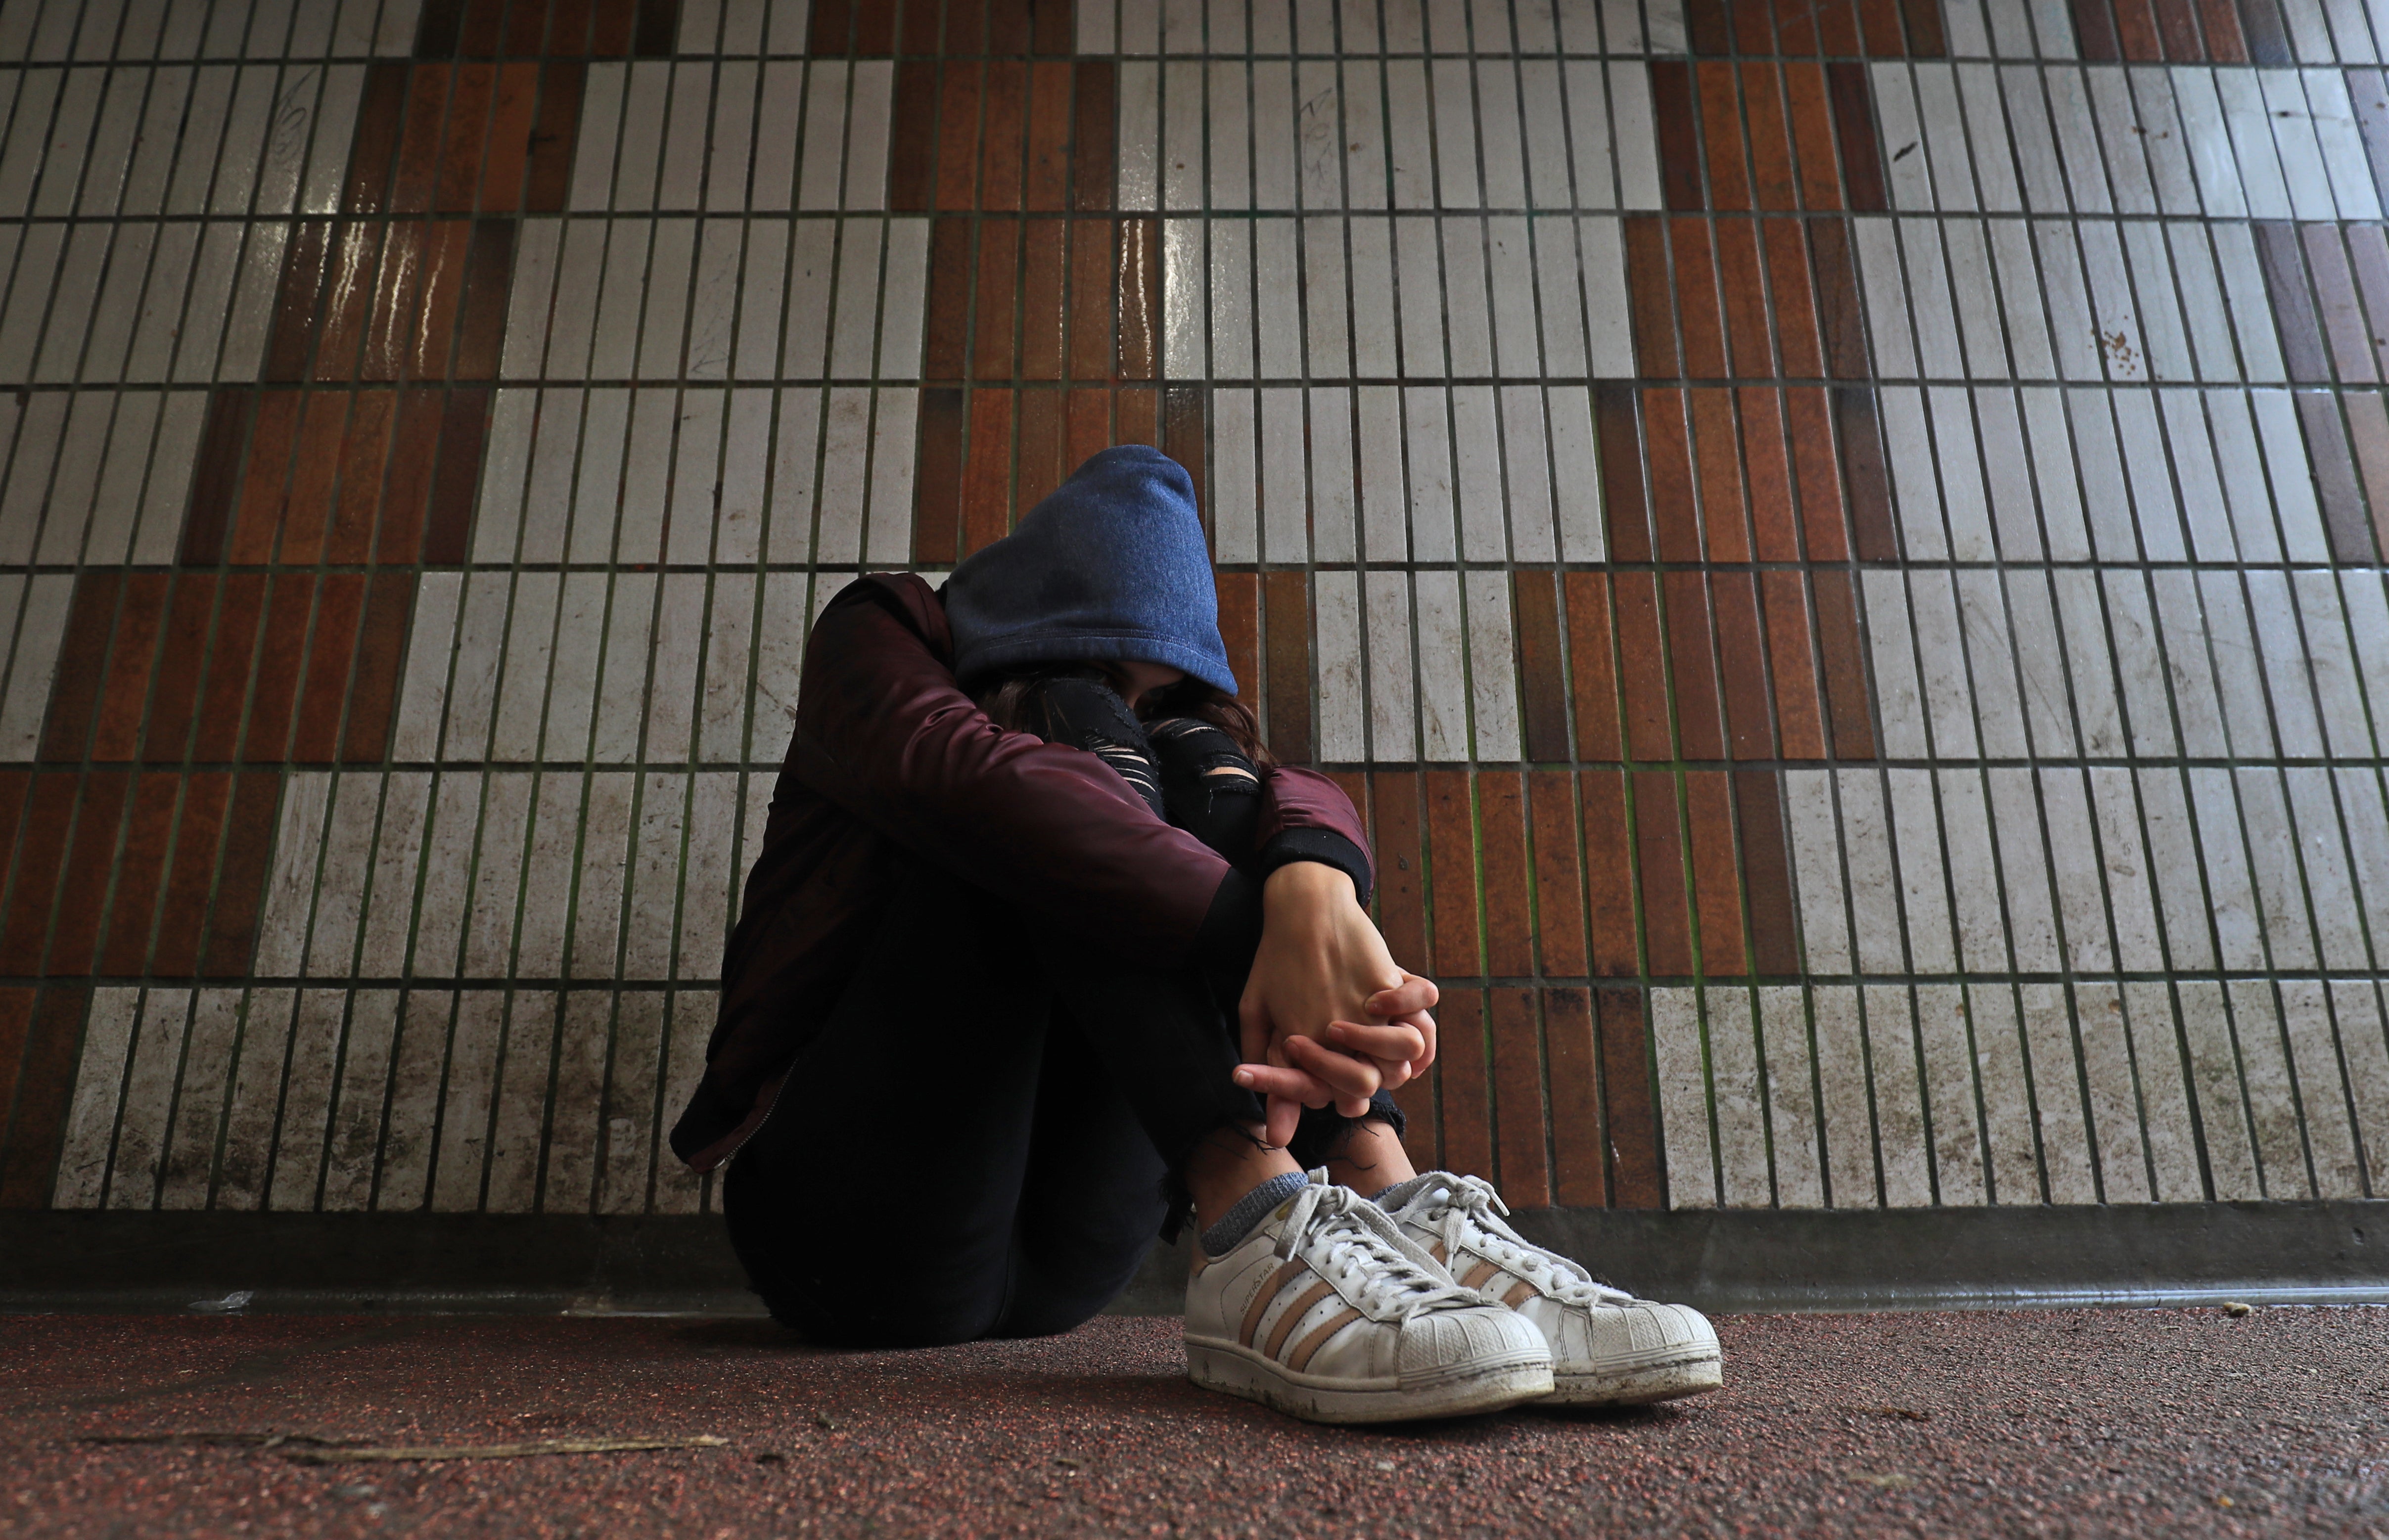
(1043, 949)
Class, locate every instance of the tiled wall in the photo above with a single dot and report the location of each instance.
(1838, 547)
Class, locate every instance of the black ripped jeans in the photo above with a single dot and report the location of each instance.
(981, 1141)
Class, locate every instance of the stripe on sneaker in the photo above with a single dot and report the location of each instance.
(1293, 1314)
(1477, 1275)
(1267, 1296)
(1519, 1293)
(1317, 1339)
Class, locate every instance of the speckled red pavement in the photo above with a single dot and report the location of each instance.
(2154, 1422)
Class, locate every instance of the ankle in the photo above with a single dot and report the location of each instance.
(1228, 1163)
(1369, 1159)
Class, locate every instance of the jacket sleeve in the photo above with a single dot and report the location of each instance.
(1306, 817)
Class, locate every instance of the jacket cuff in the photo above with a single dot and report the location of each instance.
(1325, 845)
(1231, 930)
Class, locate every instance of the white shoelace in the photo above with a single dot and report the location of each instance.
(1470, 1204)
(1346, 1237)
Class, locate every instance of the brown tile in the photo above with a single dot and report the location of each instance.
(1401, 898)
(1285, 600)
(281, 656)
(1845, 663)
(1095, 173)
(1719, 101)
(489, 274)
(613, 23)
(314, 474)
(223, 692)
(466, 139)
(913, 156)
(1239, 631)
(381, 119)
(1696, 299)
(293, 333)
(1559, 876)
(659, 30)
(1049, 137)
(1793, 664)
(2178, 25)
(1809, 130)
(1866, 483)
(1773, 179)
(2367, 254)
(2219, 25)
(1592, 667)
(2136, 29)
(1742, 650)
(1461, 1090)
(1659, 860)
(1744, 287)
(382, 647)
(1837, 29)
(1609, 873)
(1691, 660)
(1706, 26)
(415, 439)
(2267, 38)
(568, 31)
(965, 28)
(1525, 1171)
(2334, 473)
(1544, 701)
(2342, 313)
(1053, 31)
(922, 26)
(995, 300)
(347, 298)
(81, 667)
(331, 657)
(240, 888)
(1924, 37)
(527, 29)
(1795, 28)
(987, 470)
(1837, 300)
(547, 175)
(1754, 27)
(1008, 26)
(1854, 128)
(2368, 429)
(936, 493)
(2094, 30)
(1717, 880)
(1577, 1137)
(417, 168)
(258, 518)
(1716, 459)
(33, 883)
(1502, 845)
(947, 345)
(1632, 1113)
(485, 28)
(428, 336)
(1424, 1133)
(364, 451)
(1766, 873)
(15, 1006)
(1879, 21)
(1795, 311)
(1003, 134)
(1090, 426)
(99, 824)
(193, 872)
(174, 696)
(1041, 446)
(1775, 529)
(960, 86)
(1186, 431)
(1642, 651)
(438, 28)
(1809, 416)
(1140, 299)
(28, 1161)
(132, 658)
(1674, 503)
(2293, 312)
(514, 114)
(1679, 132)
(1092, 264)
(132, 909)
(1451, 866)
(1044, 306)
(1650, 289)
(1621, 473)
(464, 427)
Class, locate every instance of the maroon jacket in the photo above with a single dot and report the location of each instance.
(890, 757)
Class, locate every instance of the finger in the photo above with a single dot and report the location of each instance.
(1293, 1085)
(1397, 1040)
(1283, 1116)
(1424, 1025)
(1252, 1026)
(1413, 994)
(1392, 1073)
(1352, 1106)
(1339, 1071)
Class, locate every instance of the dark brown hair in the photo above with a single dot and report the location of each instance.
(1013, 700)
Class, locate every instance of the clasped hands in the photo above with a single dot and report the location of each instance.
(1327, 1017)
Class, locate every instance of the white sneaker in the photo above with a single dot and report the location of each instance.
(1325, 1312)
(1608, 1348)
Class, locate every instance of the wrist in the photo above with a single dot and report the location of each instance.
(1307, 882)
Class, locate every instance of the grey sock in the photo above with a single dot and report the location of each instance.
(1250, 1210)
(1400, 1193)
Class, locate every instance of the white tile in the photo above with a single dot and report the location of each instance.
(2107, 1076)
(572, 678)
(1334, 484)
(148, 1100)
(2075, 327)
(1375, 349)
(2273, 848)
(398, 848)
(2333, 119)
(1940, 648)
(1981, 323)
(1393, 714)
(188, 1167)
(339, 896)
(1792, 1113)
(1908, 163)
(1443, 689)
(1283, 506)
(497, 872)
(2140, 662)
(2070, 113)
(1842, 1103)
(710, 874)
(1965, 825)
(1231, 142)
(1336, 601)
(2302, 163)
(1923, 884)
(352, 1149)
(2159, 312)
(2007, 1112)
(2121, 134)
(794, 476)
(291, 887)
(2253, 146)
(2330, 885)
(2252, 318)
(316, 1034)
(1493, 681)
(777, 136)
(1476, 466)
(462, 1161)
(1866, 858)
(1510, 266)
(696, 478)
(1409, 149)
(1185, 304)
(1235, 476)
(520, 1104)
(2355, 1005)
(1886, 295)
(247, 1148)
(866, 146)
(1898, 1105)
(1275, 143)
(620, 694)
(2322, 1096)
(1957, 1156)
(1817, 862)
(2288, 667)
(1366, 179)
(1229, 277)
(1735, 1101)
(1327, 307)
(1422, 297)
(2057, 1095)
(1683, 1098)
(2331, 665)
(1900, 700)
(728, 654)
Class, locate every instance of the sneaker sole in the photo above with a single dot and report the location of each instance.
(1238, 1370)
(1640, 1385)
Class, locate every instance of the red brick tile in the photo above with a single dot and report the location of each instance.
(912, 155)
(314, 474)
(1632, 1120)
(527, 29)
(1837, 29)
(1879, 21)
(2220, 26)
(1810, 415)
(937, 494)
(1424, 1132)
(2368, 430)
(1092, 264)
(1593, 668)
(1742, 651)
(1795, 28)
(1041, 446)
(174, 696)
(293, 333)
(381, 118)
(1650, 288)
(132, 657)
(2136, 31)
(1140, 299)
(1240, 631)
(1708, 27)
(382, 646)
(1049, 137)
(613, 23)
(1577, 1131)
(1696, 299)
(1008, 26)
(1717, 882)
(99, 824)
(1621, 473)
(1543, 698)
(15, 1005)
(1525, 1172)
(1845, 667)
(1285, 618)
(2094, 30)
(33, 884)
(1678, 132)
(1452, 859)
(425, 338)
(1773, 178)
(331, 655)
(1854, 128)
(831, 27)
(81, 667)
(439, 29)
(414, 453)
(1700, 730)
(1744, 287)
(463, 429)
(658, 28)
(1775, 527)
(364, 451)
(28, 1161)
(959, 84)
(1003, 134)
(2334, 474)
(1053, 31)
(1642, 652)
(1837, 300)
(489, 274)
(1185, 432)
(1559, 876)
(1766, 873)
(1609, 873)
(946, 348)
(1754, 27)
(1090, 426)
(2294, 311)
(1721, 128)
(1793, 665)
(467, 139)
(2367, 252)
(922, 26)
(281, 656)
(2178, 26)
(240, 888)
(986, 473)
(1095, 173)
(1866, 483)
(548, 173)
(1717, 456)
(1924, 39)
(965, 28)
(1044, 306)
(258, 515)
(224, 690)
(485, 28)
(1809, 111)
(417, 169)
(1659, 860)
(1460, 1082)
(997, 299)
(1795, 311)
(1502, 837)
(133, 910)
(568, 31)
(1674, 504)
(2342, 314)
(348, 299)
(1400, 897)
